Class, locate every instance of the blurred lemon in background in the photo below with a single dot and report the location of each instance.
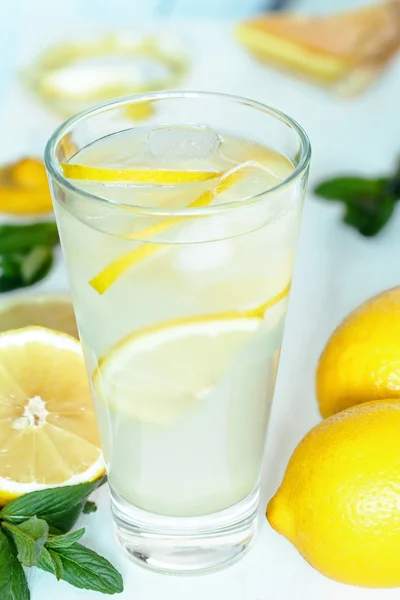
(361, 361)
(24, 188)
(339, 500)
(54, 311)
(72, 75)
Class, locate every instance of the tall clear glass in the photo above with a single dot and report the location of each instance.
(180, 265)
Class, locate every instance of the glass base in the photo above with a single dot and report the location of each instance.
(186, 545)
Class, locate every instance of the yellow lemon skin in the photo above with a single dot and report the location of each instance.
(361, 361)
(339, 500)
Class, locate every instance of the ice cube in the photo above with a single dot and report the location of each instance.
(183, 142)
(197, 258)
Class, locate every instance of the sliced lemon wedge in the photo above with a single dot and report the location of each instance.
(48, 434)
(167, 378)
(103, 280)
(143, 176)
(156, 374)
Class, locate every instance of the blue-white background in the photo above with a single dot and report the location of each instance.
(336, 268)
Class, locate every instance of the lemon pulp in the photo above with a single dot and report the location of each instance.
(48, 432)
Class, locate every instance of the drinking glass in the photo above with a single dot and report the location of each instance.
(179, 238)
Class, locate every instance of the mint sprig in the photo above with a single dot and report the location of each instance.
(34, 532)
(369, 203)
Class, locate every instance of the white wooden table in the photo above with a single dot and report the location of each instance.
(336, 269)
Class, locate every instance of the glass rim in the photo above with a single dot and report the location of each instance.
(54, 171)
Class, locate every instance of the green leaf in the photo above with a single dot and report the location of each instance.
(89, 507)
(369, 217)
(64, 541)
(21, 238)
(10, 273)
(21, 270)
(60, 507)
(369, 203)
(19, 587)
(51, 562)
(10, 264)
(29, 538)
(6, 567)
(57, 564)
(13, 584)
(36, 264)
(63, 521)
(85, 569)
(349, 189)
(393, 186)
(45, 561)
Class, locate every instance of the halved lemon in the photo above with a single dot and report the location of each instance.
(161, 372)
(150, 176)
(48, 432)
(45, 310)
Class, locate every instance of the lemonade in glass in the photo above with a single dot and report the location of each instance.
(179, 239)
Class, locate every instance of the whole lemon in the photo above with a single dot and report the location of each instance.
(361, 361)
(339, 502)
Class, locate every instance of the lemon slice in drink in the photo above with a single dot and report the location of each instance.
(103, 280)
(48, 433)
(45, 310)
(161, 372)
(143, 176)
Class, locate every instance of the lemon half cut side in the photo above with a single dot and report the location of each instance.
(48, 433)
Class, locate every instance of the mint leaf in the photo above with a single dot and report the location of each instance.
(26, 254)
(89, 507)
(13, 584)
(50, 561)
(350, 188)
(22, 238)
(369, 203)
(60, 507)
(18, 271)
(393, 186)
(62, 522)
(6, 567)
(19, 586)
(370, 215)
(57, 564)
(45, 561)
(64, 541)
(29, 538)
(36, 264)
(85, 569)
